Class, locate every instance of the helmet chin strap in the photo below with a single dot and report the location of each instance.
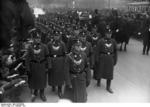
(83, 42)
(107, 37)
(37, 42)
(77, 52)
(37, 51)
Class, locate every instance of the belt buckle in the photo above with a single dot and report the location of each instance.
(108, 53)
(74, 76)
(78, 72)
(55, 56)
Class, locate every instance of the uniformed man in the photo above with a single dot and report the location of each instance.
(4, 72)
(101, 27)
(93, 39)
(78, 74)
(37, 64)
(95, 19)
(146, 40)
(73, 39)
(66, 36)
(86, 47)
(57, 51)
(106, 58)
(94, 36)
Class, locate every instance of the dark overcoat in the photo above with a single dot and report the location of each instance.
(37, 65)
(93, 39)
(105, 62)
(146, 36)
(88, 50)
(56, 74)
(78, 81)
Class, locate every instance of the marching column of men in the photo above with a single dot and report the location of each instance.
(70, 67)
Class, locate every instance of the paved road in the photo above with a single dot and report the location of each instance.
(131, 78)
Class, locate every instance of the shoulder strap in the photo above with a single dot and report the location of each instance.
(69, 55)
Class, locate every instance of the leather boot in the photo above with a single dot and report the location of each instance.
(42, 95)
(98, 82)
(60, 91)
(108, 87)
(34, 95)
(53, 88)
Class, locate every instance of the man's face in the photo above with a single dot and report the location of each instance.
(83, 39)
(37, 40)
(108, 35)
(94, 30)
(77, 49)
(85, 28)
(76, 32)
(56, 37)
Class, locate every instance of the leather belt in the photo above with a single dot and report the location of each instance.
(106, 53)
(41, 61)
(76, 72)
(54, 56)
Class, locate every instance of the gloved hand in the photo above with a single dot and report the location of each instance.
(1, 90)
(28, 73)
(69, 86)
(91, 70)
(87, 83)
(48, 70)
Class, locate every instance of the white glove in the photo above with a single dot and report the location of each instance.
(17, 67)
(117, 30)
(12, 76)
(21, 82)
(139, 33)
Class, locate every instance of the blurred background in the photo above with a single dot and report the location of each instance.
(92, 4)
(89, 4)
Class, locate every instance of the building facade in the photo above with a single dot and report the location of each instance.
(139, 6)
